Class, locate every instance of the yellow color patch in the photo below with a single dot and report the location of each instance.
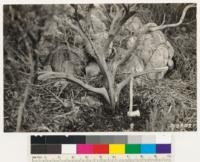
(116, 148)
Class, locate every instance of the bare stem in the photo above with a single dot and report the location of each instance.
(175, 24)
(57, 75)
(123, 83)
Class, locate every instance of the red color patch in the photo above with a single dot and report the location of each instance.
(101, 149)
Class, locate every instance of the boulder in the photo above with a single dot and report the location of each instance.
(91, 101)
(92, 69)
(152, 50)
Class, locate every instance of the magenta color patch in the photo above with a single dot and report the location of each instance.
(84, 149)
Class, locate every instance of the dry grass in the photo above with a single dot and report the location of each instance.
(165, 105)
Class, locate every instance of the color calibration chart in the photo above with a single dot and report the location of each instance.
(97, 148)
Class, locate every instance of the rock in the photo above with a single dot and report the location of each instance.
(78, 40)
(91, 101)
(135, 65)
(98, 25)
(98, 11)
(92, 69)
(47, 68)
(131, 42)
(56, 58)
(133, 24)
(61, 60)
(158, 59)
(52, 28)
(68, 67)
(170, 64)
(153, 51)
(158, 37)
(60, 83)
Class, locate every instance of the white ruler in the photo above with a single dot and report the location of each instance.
(101, 158)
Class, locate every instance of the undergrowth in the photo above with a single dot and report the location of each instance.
(165, 105)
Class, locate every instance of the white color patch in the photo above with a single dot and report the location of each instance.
(163, 139)
(69, 149)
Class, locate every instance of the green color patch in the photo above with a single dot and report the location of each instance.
(132, 148)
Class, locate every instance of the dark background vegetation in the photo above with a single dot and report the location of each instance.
(165, 105)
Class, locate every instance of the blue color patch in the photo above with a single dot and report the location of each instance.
(148, 148)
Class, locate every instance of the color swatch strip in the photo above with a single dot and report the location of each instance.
(97, 139)
(147, 144)
(101, 149)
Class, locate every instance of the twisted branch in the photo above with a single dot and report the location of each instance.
(175, 24)
(123, 83)
(58, 75)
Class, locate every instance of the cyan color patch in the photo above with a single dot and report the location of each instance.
(148, 148)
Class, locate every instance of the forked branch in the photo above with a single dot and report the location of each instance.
(175, 24)
(127, 55)
(58, 75)
(123, 83)
(121, 17)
